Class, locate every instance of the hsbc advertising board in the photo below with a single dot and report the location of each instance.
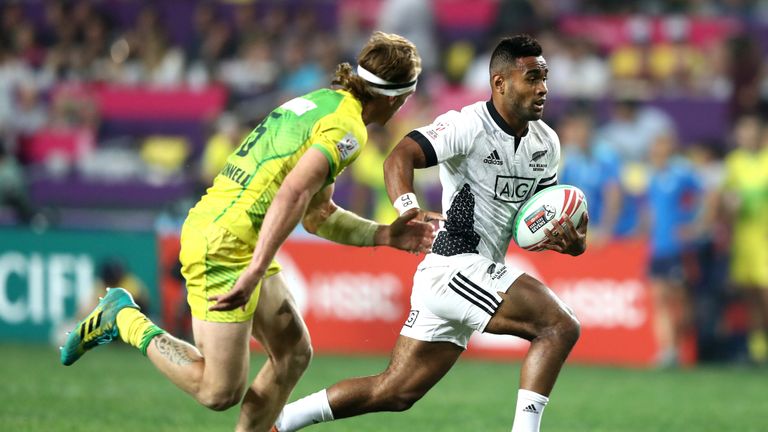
(355, 300)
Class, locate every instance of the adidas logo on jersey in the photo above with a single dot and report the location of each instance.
(493, 159)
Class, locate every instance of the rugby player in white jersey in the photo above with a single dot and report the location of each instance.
(492, 156)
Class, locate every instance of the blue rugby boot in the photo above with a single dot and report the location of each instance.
(99, 327)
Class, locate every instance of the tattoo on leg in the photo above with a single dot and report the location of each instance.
(174, 351)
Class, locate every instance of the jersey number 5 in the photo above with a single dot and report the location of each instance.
(250, 141)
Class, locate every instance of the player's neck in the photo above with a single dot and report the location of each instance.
(507, 123)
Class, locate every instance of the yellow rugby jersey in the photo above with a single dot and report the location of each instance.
(747, 177)
(328, 120)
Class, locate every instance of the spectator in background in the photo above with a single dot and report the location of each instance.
(30, 115)
(745, 197)
(95, 56)
(25, 44)
(634, 126)
(350, 34)
(676, 65)
(254, 70)
(630, 133)
(151, 57)
(302, 73)
(13, 188)
(229, 134)
(160, 63)
(578, 71)
(746, 61)
(673, 198)
(244, 15)
(13, 72)
(415, 20)
(595, 170)
(514, 16)
(709, 272)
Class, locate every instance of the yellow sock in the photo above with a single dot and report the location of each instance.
(758, 346)
(136, 329)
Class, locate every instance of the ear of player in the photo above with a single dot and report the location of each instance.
(556, 203)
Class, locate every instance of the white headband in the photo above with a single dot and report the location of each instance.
(384, 87)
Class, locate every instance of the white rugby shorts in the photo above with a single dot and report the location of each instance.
(453, 296)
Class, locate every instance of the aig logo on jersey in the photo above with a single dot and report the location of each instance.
(513, 189)
(347, 146)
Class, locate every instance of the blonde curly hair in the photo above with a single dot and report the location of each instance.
(388, 56)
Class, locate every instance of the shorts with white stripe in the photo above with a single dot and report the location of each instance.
(454, 296)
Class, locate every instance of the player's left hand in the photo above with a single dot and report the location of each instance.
(412, 232)
(565, 238)
(240, 293)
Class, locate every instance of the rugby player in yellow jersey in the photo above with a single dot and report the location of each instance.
(283, 173)
(746, 196)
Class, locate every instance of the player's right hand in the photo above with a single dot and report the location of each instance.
(240, 293)
(413, 231)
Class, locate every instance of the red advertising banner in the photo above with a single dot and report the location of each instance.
(355, 300)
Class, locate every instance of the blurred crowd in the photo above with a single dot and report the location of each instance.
(701, 201)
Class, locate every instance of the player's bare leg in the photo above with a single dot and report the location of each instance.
(278, 325)
(531, 311)
(214, 372)
(414, 368)
(664, 322)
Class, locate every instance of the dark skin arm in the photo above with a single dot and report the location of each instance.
(398, 173)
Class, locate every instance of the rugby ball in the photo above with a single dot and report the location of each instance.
(556, 203)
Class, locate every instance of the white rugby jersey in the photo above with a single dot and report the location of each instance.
(485, 179)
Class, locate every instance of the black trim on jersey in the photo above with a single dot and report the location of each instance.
(493, 302)
(429, 152)
(548, 179)
(499, 120)
(540, 187)
(472, 300)
(503, 125)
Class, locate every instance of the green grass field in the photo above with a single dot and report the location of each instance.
(115, 389)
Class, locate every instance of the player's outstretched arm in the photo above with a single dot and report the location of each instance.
(331, 222)
(285, 212)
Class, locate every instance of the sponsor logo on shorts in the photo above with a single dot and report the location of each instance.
(540, 218)
(411, 318)
(499, 273)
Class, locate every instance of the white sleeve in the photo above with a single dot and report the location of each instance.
(445, 138)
